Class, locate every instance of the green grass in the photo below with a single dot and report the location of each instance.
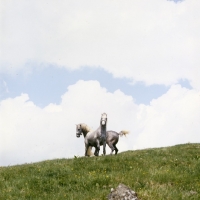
(162, 173)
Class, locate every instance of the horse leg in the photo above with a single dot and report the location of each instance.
(86, 149)
(104, 148)
(96, 153)
(97, 148)
(116, 149)
(111, 147)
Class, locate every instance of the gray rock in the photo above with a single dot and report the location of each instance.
(122, 192)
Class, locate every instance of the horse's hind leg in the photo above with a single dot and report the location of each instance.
(111, 147)
(116, 149)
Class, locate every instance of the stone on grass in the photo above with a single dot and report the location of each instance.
(122, 192)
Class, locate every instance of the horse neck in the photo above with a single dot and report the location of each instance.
(85, 129)
(84, 132)
(103, 129)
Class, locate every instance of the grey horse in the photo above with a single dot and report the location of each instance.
(112, 137)
(94, 138)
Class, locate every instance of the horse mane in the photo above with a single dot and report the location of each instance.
(85, 127)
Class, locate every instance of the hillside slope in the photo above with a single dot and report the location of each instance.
(161, 173)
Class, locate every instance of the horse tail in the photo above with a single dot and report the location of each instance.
(123, 132)
(89, 151)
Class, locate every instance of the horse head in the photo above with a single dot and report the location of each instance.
(103, 119)
(82, 129)
(78, 130)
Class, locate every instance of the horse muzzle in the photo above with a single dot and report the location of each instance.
(103, 122)
(78, 135)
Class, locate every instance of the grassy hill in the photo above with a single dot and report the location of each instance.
(161, 173)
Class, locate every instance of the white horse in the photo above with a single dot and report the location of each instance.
(112, 138)
(94, 138)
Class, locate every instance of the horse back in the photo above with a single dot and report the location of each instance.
(112, 136)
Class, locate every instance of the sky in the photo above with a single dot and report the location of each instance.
(66, 62)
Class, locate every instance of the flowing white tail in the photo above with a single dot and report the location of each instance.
(123, 132)
(89, 151)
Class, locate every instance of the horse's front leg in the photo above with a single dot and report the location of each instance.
(97, 148)
(96, 153)
(104, 148)
(86, 149)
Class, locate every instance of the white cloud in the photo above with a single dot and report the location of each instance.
(172, 118)
(152, 41)
(29, 133)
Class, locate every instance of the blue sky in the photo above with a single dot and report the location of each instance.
(47, 85)
(138, 61)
